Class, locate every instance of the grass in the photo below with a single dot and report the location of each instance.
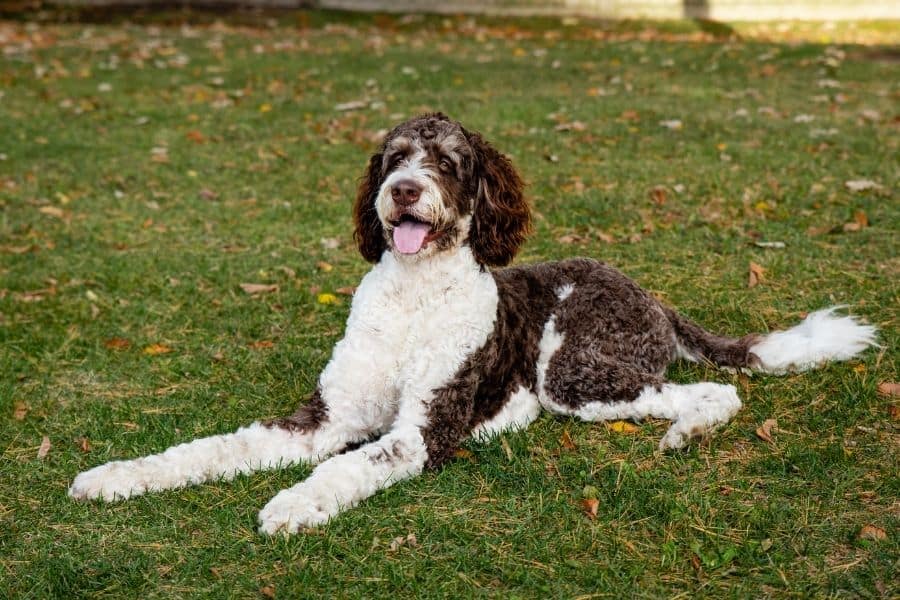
(148, 170)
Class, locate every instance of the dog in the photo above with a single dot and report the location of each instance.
(440, 348)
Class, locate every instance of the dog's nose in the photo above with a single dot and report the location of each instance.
(406, 192)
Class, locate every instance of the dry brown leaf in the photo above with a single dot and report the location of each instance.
(291, 273)
(207, 194)
(410, 540)
(259, 288)
(658, 195)
(155, 349)
(44, 448)
(764, 431)
(117, 343)
(756, 275)
(261, 344)
(573, 126)
(324, 266)
(889, 388)
(571, 238)
(52, 211)
(268, 591)
(605, 237)
(195, 136)
(84, 444)
(20, 410)
(871, 532)
(346, 291)
(590, 506)
(566, 441)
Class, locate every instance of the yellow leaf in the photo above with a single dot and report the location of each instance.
(264, 108)
(324, 266)
(622, 427)
(154, 349)
(327, 298)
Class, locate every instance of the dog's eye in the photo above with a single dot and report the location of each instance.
(395, 161)
(445, 165)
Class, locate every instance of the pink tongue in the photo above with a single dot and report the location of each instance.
(409, 236)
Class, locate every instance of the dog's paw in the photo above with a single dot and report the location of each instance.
(109, 482)
(703, 408)
(293, 510)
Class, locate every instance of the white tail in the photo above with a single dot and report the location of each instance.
(821, 337)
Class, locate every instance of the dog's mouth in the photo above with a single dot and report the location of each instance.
(412, 234)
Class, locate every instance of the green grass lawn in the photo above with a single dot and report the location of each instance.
(149, 170)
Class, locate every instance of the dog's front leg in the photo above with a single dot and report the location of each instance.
(351, 403)
(428, 429)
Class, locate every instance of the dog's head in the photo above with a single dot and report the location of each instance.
(433, 187)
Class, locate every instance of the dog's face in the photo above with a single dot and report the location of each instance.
(434, 187)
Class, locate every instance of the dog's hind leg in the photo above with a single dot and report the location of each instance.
(573, 380)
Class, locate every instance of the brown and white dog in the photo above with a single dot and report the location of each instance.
(438, 348)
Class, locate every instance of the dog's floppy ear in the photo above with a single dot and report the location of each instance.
(368, 232)
(501, 218)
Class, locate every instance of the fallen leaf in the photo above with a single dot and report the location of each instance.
(566, 441)
(889, 389)
(324, 266)
(52, 211)
(764, 431)
(347, 290)
(860, 221)
(464, 454)
(265, 107)
(259, 288)
(84, 444)
(268, 591)
(571, 238)
(330, 243)
(673, 124)
(20, 410)
(117, 343)
(756, 275)
(572, 126)
(261, 344)
(769, 244)
(352, 105)
(44, 448)
(590, 506)
(871, 532)
(159, 154)
(622, 427)
(658, 195)
(326, 298)
(207, 194)
(291, 273)
(195, 136)
(630, 115)
(861, 185)
(155, 349)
